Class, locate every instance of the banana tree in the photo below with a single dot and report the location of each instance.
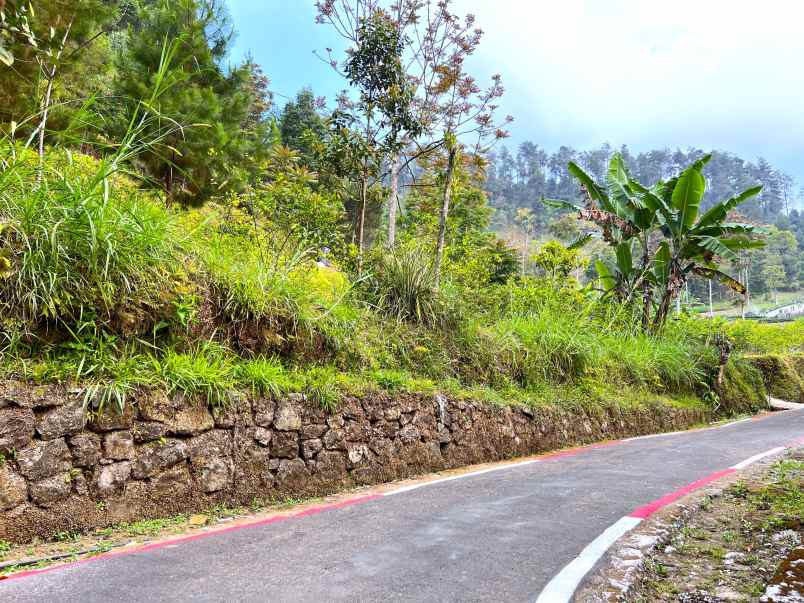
(693, 243)
(624, 217)
(627, 211)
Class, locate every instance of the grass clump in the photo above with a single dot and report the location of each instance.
(403, 287)
(264, 376)
(206, 372)
(79, 246)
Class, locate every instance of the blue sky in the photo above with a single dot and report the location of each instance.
(716, 74)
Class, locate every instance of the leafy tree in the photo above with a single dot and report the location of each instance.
(558, 262)
(526, 219)
(453, 107)
(475, 258)
(774, 276)
(373, 67)
(258, 88)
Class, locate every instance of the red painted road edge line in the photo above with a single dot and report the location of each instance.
(190, 537)
(647, 510)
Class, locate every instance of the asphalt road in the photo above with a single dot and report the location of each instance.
(499, 536)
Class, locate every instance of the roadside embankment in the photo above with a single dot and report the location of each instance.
(65, 469)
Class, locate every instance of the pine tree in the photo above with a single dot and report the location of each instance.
(210, 104)
(61, 56)
(301, 124)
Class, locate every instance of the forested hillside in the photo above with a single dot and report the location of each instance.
(517, 185)
(523, 179)
(164, 224)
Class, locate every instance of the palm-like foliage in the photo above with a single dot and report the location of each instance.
(675, 239)
(405, 286)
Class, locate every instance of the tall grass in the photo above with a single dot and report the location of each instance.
(205, 372)
(559, 340)
(77, 248)
(77, 245)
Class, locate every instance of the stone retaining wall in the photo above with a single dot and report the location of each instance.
(65, 469)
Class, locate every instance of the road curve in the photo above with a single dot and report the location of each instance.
(494, 536)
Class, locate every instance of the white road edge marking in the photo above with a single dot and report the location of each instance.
(461, 476)
(757, 457)
(729, 424)
(563, 585)
(672, 433)
(654, 435)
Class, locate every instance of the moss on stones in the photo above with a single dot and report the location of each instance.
(743, 389)
(783, 375)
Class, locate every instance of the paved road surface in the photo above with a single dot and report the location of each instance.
(499, 536)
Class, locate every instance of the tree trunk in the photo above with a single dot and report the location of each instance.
(393, 201)
(724, 346)
(646, 293)
(525, 253)
(43, 124)
(442, 224)
(662, 311)
(169, 178)
(361, 222)
(747, 295)
(50, 75)
(711, 307)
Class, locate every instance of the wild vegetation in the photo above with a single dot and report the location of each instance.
(173, 231)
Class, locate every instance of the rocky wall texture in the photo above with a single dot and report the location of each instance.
(65, 469)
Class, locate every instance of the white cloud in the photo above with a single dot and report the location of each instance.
(712, 73)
